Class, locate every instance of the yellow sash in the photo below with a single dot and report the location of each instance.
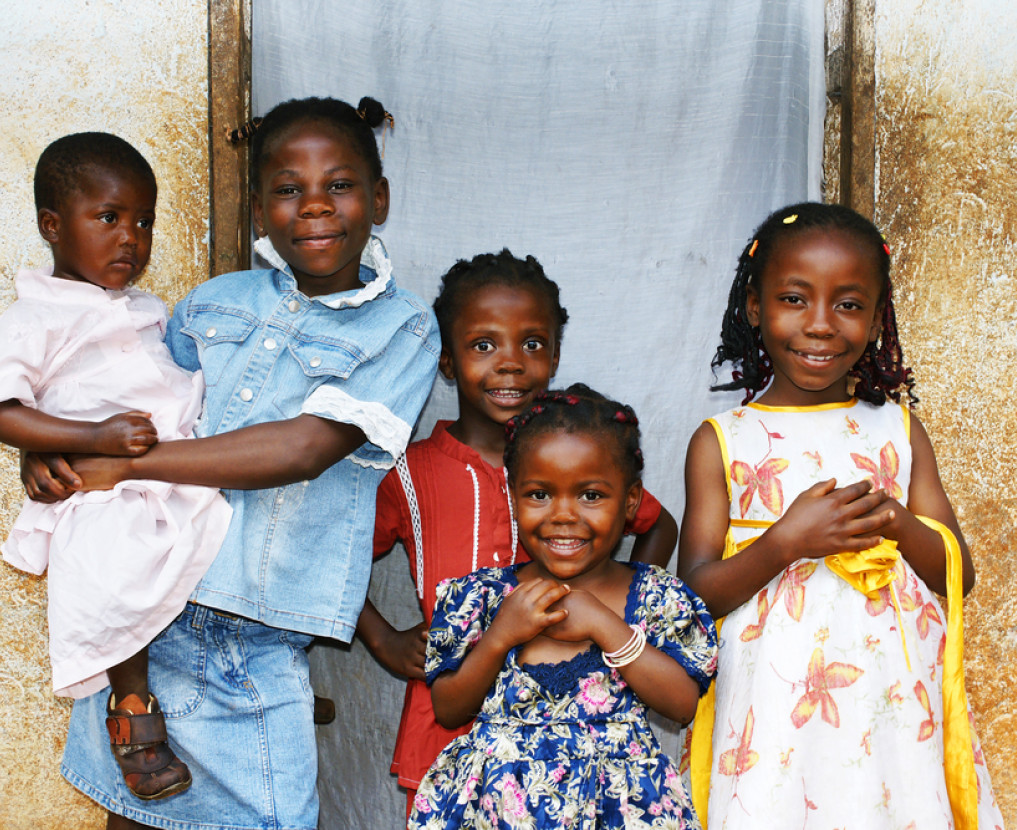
(868, 571)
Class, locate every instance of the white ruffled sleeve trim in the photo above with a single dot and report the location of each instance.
(383, 429)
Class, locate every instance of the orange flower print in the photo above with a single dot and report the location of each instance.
(815, 458)
(886, 795)
(928, 613)
(739, 413)
(927, 728)
(883, 477)
(792, 583)
(866, 743)
(742, 758)
(821, 679)
(785, 758)
(871, 643)
(852, 424)
(893, 694)
(761, 479)
(755, 630)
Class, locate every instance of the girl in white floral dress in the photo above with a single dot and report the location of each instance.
(560, 658)
(817, 523)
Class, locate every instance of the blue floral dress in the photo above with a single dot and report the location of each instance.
(564, 745)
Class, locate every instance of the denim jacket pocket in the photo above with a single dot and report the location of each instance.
(319, 359)
(216, 337)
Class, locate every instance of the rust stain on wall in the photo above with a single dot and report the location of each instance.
(947, 154)
(68, 68)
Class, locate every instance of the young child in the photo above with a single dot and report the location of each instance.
(562, 656)
(84, 369)
(816, 522)
(447, 501)
(317, 369)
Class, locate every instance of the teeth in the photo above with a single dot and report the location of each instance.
(507, 393)
(817, 358)
(566, 544)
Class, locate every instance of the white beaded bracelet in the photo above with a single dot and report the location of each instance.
(629, 652)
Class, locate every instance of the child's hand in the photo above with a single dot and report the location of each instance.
(47, 477)
(129, 433)
(585, 616)
(826, 519)
(403, 652)
(98, 472)
(526, 612)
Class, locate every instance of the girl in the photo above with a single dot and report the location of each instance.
(840, 692)
(316, 370)
(83, 355)
(563, 655)
(501, 323)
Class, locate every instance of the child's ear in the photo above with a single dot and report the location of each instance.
(49, 225)
(381, 198)
(257, 215)
(445, 364)
(632, 500)
(752, 305)
(557, 357)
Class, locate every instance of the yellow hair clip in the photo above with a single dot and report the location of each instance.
(790, 219)
(752, 250)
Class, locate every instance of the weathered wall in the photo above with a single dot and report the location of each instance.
(140, 72)
(946, 145)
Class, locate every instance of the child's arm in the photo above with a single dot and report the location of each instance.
(128, 433)
(918, 543)
(656, 545)
(821, 521)
(254, 457)
(657, 679)
(458, 695)
(401, 652)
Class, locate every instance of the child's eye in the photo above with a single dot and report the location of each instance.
(851, 305)
(792, 299)
(483, 346)
(533, 345)
(146, 223)
(286, 190)
(108, 218)
(538, 495)
(591, 496)
(337, 187)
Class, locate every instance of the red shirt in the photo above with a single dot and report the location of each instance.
(465, 523)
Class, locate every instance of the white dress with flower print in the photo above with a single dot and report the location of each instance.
(821, 720)
(564, 745)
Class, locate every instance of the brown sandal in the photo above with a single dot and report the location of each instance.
(137, 736)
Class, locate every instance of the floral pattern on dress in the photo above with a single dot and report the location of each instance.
(566, 745)
(829, 704)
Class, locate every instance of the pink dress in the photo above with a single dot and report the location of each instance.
(122, 563)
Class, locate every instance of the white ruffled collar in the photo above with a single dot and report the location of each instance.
(374, 258)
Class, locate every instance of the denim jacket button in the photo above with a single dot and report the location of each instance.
(246, 394)
(294, 306)
(210, 332)
(270, 344)
(315, 362)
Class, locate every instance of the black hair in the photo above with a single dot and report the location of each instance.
(578, 409)
(468, 276)
(879, 374)
(356, 123)
(64, 166)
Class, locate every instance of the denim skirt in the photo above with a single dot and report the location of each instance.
(239, 712)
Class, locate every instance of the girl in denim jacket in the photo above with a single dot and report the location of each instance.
(316, 370)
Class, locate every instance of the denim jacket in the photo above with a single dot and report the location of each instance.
(299, 557)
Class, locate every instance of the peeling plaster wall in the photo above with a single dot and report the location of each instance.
(140, 72)
(946, 145)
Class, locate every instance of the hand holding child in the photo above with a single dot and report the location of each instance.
(527, 612)
(403, 652)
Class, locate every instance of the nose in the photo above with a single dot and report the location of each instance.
(129, 234)
(510, 360)
(819, 322)
(563, 511)
(313, 203)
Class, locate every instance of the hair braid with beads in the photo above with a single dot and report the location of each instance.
(578, 409)
(880, 372)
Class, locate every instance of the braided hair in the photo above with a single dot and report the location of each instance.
(358, 124)
(578, 409)
(470, 275)
(880, 372)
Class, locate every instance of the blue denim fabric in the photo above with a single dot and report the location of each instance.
(299, 556)
(239, 712)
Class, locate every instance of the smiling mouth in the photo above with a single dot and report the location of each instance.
(564, 546)
(816, 358)
(510, 396)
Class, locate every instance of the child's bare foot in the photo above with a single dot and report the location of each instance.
(137, 734)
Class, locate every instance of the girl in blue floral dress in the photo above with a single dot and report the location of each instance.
(560, 658)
